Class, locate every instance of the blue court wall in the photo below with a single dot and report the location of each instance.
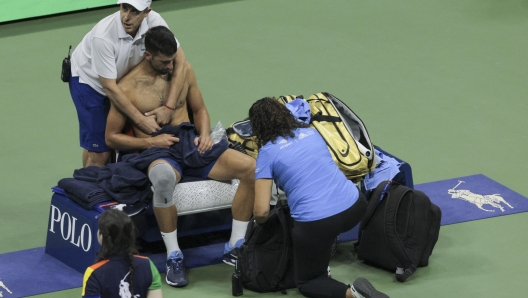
(12, 10)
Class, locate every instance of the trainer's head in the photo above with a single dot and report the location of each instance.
(132, 13)
(116, 233)
(271, 119)
(138, 4)
(160, 49)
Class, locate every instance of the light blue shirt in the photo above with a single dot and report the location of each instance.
(303, 168)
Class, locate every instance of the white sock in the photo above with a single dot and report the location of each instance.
(171, 241)
(238, 231)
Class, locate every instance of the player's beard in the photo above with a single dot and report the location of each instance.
(161, 71)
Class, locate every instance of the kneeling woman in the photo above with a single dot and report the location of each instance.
(323, 203)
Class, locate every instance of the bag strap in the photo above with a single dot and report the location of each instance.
(395, 194)
(250, 231)
(283, 259)
(375, 199)
(321, 97)
(249, 240)
(320, 117)
(230, 130)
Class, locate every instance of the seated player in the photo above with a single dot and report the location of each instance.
(148, 86)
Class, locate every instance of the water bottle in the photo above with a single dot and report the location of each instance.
(236, 282)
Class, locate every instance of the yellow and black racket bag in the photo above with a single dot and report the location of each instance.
(344, 133)
(240, 138)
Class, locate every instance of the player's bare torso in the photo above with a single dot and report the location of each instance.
(149, 93)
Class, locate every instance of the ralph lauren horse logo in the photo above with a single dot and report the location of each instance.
(5, 288)
(494, 200)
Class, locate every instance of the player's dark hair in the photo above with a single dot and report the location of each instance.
(160, 39)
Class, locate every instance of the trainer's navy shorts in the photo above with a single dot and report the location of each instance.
(92, 110)
(202, 172)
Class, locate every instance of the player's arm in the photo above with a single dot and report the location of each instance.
(200, 115)
(116, 139)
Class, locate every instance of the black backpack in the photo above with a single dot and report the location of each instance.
(265, 260)
(399, 230)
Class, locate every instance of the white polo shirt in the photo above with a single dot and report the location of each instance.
(108, 51)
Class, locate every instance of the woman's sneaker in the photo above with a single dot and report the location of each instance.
(176, 275)
(362, 288)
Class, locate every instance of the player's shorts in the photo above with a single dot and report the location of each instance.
(186, 171)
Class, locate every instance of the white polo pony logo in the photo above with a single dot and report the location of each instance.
(124, 289)
(5, 288)
(494, 200)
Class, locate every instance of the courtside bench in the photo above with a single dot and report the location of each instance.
(203, 207)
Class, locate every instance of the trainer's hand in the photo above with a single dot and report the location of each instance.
(163, 140)
(203, 143)
(148, 125)
(163, 115)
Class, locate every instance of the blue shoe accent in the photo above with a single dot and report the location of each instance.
(231, 253)
(176, 275)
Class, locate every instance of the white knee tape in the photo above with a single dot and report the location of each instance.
(163, 181)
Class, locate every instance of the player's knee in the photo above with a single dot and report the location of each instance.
(161, 174)
(247, 168)
(163, 180)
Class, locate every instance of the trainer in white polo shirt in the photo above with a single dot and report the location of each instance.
(113, 47)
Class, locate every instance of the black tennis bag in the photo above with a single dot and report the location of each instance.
(265, 260)
(399, 230)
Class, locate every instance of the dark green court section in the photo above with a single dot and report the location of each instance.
(14, 10)
(441, 84)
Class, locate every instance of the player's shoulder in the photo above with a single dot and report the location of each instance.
(133, 80)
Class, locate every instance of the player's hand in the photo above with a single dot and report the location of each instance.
(163, 115)
(148, 125)
(163, 140)
(203, 143)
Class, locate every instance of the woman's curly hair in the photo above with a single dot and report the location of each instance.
(119, 238)
(271, 119)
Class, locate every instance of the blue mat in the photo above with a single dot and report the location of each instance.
(50, 275)
(31, 272)
(461, 199)
(473, 197)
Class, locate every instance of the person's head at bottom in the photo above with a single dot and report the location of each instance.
(116, 234)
